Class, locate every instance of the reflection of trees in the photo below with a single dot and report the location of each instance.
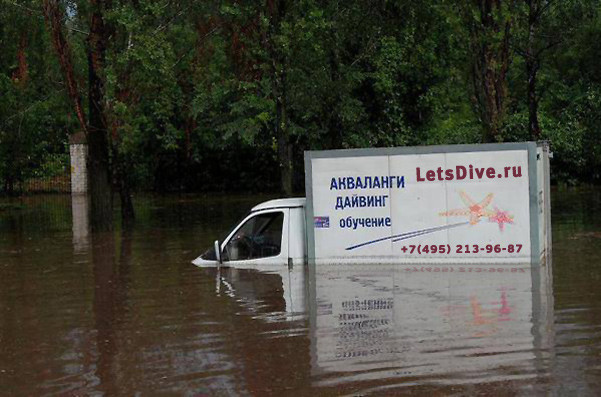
(36, 216)
(44, 291)
(111, 284)
(577, 296)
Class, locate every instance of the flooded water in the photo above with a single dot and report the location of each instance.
(126, 313)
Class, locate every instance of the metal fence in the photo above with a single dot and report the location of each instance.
(54, 184)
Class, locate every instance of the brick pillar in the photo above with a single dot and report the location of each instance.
(78, 150)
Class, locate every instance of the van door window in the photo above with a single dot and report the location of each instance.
(258, 237)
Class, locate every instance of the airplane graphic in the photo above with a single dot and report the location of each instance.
(474, 211)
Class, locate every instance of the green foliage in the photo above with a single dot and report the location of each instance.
(197, 92)
(35, 116)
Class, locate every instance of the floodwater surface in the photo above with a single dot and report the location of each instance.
(126, 313)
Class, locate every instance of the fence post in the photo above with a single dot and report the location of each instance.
(78, 151)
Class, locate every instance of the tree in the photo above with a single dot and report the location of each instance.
(490, 26)
(98, 145)
(227, 95)
(101, 209)
(34, 123)
(532, 56)
(279, 60)
(548, 23)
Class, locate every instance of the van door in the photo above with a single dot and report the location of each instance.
(262, 238)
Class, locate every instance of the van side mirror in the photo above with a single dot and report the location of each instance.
(218, 252)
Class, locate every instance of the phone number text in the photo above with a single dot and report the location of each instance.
(461, 249)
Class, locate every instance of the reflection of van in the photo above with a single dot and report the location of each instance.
(419, 324)
(435, 204)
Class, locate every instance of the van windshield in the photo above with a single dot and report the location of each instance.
(258, 237)
(209, 254)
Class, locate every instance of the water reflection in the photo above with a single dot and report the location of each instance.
(111, 286)
(397, 325)
(452, 324)
(287, 282)
(129, 314)
(80, 205)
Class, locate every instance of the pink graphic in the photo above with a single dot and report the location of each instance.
(483, 319)
(474, 211)
(501, 217)
(490, 317)
(478, 313)
(505, 310)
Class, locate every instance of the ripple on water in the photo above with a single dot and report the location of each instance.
(125, 313)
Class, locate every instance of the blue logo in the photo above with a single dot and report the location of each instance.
(322, 222)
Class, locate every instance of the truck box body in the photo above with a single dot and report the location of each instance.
(452, 204)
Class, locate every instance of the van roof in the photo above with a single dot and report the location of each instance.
(281, 203)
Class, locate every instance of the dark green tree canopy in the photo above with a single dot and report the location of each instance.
(227, 95)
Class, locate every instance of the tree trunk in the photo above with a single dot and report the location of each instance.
(491, 64)
(101, 214)
(533, 126)
(54, 20)
(120, 164)
(335, 132)
(283, 137)
(277, 12)
(101, 209)
(532, 67)
(127, 206)
(21, 74)
(9, 185)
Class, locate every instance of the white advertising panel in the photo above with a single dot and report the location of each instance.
(445, 206)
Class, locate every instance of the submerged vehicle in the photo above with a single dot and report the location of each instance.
(273, 233)
(452, 204)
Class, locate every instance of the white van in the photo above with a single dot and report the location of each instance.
(486, 203)
(273, 233)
